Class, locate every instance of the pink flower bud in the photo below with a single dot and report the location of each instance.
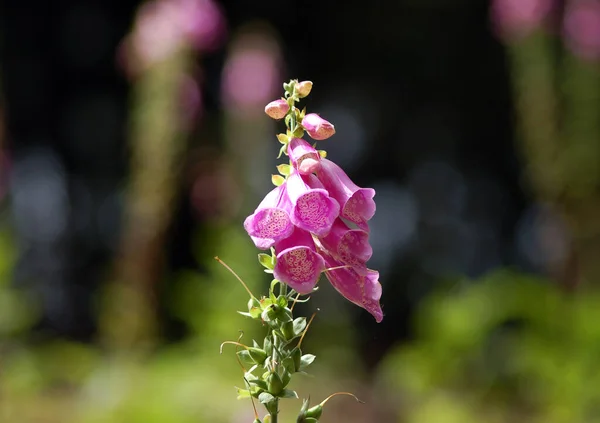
(357, 284)
(317, 127)
(270, 222)
(303, 156)
(356, 203)
(277, 109)
(350, 246)
(303, 88)
(312, 209)
(299, 265)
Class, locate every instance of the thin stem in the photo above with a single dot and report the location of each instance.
(236, 275)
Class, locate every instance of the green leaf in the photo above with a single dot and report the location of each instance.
(265, 260)
(288, 393)
(242, 393)
(282, 301)
(266, 398)
(245, 313)
(306, 361)
(299, 325)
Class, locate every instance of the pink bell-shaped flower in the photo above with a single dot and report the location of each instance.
(358, 284)
(356, 203)
(271, 221)
(299, 265)
(317, 127)
(304, 157)
(350, 246)
(312, 209)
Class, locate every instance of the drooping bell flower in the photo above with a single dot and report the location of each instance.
(271, 221)
(357, 204)
(317, 127)
(304, 157)
(350, 246)
(299, 265)
(312, 209)
(359, 285)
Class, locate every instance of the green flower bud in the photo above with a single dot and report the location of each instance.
(275, 384)
(259, 356)
(315, 411)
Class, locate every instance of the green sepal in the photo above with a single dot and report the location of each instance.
(259, 383)
(282, 151)
(275, 384)
(299, 325)
(286, 378)
(242, 393)
(244, 313)
(277, 180)
(322, 153)
(306, 361)
(266, 260)
(245, 357)
(284, 168)
(288, 393)
(266, 398)
(269, 314)
(283, 138)
(309, 420)
(296, 356)
(289, 365)
(282, 301)
(268, 344)
(287, 329)
(298, 132)
(259, 356)
(256, 421)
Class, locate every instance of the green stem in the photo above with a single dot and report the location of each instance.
(275, 415)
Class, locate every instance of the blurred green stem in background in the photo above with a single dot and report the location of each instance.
(558, 114)
(157, 143)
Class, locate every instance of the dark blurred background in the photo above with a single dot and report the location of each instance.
(131, 151)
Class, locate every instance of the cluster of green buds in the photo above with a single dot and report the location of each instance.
(268, 367)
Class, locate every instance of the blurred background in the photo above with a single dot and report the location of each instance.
(133, 143)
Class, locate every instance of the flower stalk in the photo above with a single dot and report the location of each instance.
(314, 222)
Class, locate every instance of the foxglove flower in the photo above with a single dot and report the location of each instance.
(304, 157)
(270, 222)
(312, 209)
(299, 265)
(317, 127)
(277, 109)
(359, 285)
(350, 246)
(356, 203)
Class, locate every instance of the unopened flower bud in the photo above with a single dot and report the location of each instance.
(275, 384)
(259, 356)
(314, 412)
(277, 109)
(303, 88)
(317, 127)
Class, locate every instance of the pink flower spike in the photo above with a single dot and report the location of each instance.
(357, 284)
(303, 156)
(317, 127)
(277, 109)
(312, 209)
(356, 203)
(350, 246)
(298, 263)
(270, 222)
